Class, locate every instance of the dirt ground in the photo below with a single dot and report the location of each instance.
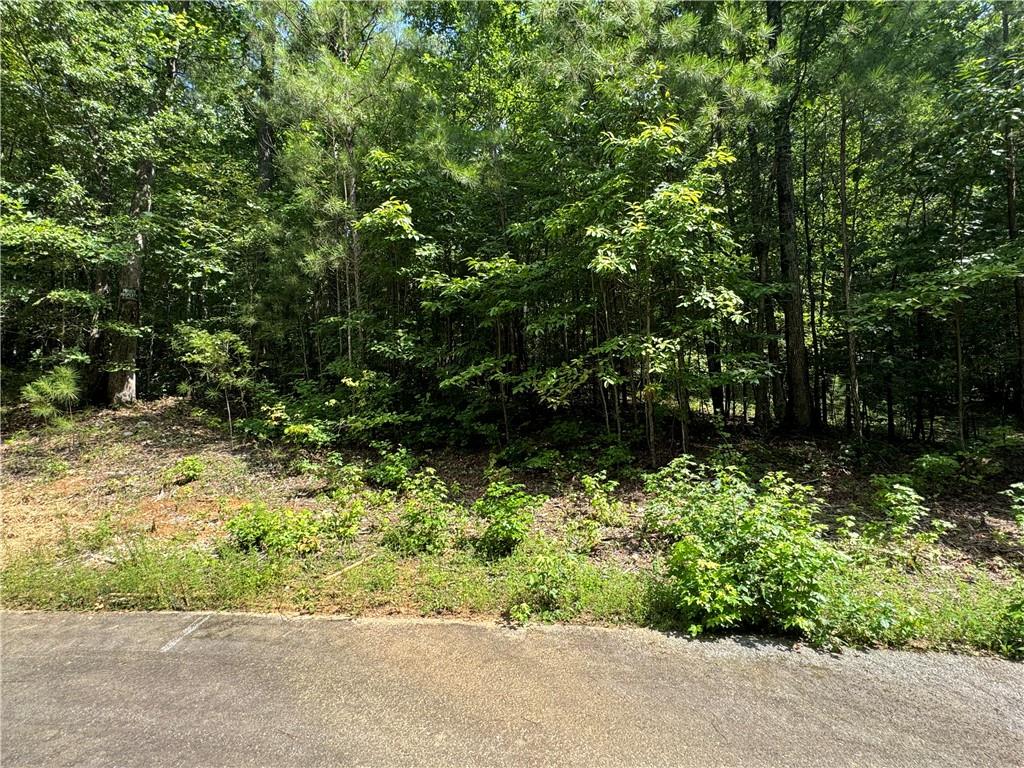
(117, 466)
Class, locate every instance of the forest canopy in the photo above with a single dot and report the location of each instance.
(454, 223)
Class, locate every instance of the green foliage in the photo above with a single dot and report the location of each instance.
(257, 527)
(739, 554)
(548, 585)
(582, 535)
(900, 536)
(426, 516)
(874, 604)
(900, 504)
(1011, 627)
(935, 472)
(185, 470)
(219, 363)
(53, 394)
(508, 511)
(544, 231)
(1016, 495)
(604, 508)
(394, 468)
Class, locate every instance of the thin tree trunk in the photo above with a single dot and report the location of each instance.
(648, 390)
(1011, 226)
(851, 338)
(759, 248)
(122, 385)
(711, 348)
(798, 410)
(264, 129)
(815, 363)
(960, 407)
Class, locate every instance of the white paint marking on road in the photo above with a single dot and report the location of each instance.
(169, 645)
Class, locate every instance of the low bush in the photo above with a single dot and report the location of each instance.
(257, 527)
(394, 468)
(508, 510)
(935, 473)
(545, 580)
(581, 535)
(604, 508)
(186, 470)
(425, 517)
(900, 536)
(740, 555)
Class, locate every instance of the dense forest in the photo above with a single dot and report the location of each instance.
(706, 316)
(452, 223)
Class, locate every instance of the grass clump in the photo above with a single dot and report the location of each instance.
(879, 605)
(144, 575)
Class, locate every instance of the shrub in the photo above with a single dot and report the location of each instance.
(342, 475)
(547, 582)
(508, 510)
(310, 434)
(613, 458)
(288, 532)
(581, 535)
(935, 472)
(52, 394)
(1011, 627)
(186, 470)
(257, 527)
(217, 362)
(425, 518)
(546, 460)
(1016, 495)
(900, 504)
(740, 555)
(604, 508)
(900, 536)
(394, 468)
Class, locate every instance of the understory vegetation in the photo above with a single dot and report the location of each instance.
(698, 547)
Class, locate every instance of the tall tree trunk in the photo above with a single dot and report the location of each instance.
(122, 385)
(960, 406)
(817, 407)
(1011, 225)
(770, 384)
(844, 231)
(711, 347)
(645, 372)
(264, 129)
(798, 410)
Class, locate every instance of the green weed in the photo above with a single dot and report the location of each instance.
(508, 510)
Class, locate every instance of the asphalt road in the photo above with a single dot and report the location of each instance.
(226, 689)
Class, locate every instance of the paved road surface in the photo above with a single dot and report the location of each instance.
(231, 690)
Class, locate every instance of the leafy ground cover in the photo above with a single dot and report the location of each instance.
(157, 507)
